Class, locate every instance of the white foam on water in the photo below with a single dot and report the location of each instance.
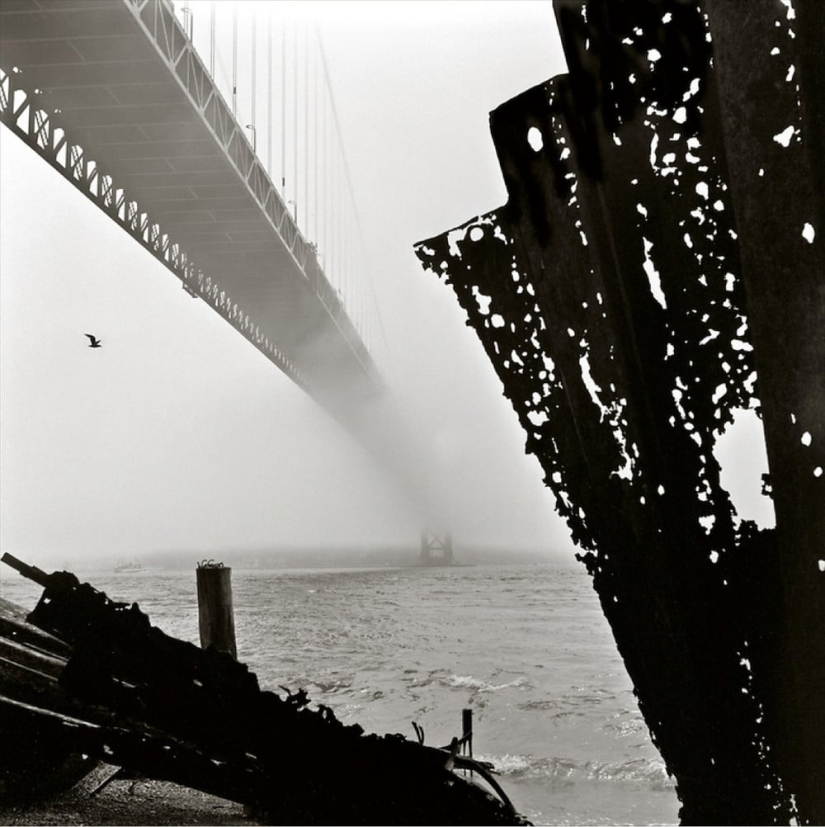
(469, 682)
(649, 772)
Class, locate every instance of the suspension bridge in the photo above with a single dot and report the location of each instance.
(208, 132)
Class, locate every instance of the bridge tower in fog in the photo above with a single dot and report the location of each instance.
(436, 549)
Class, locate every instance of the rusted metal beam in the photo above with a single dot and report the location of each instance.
(615, 295)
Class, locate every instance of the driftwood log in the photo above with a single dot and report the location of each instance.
(132, 696)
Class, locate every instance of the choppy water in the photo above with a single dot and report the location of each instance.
(526, 647)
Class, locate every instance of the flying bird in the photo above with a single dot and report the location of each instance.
(94, 342)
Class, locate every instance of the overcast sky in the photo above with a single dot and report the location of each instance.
(177, 433)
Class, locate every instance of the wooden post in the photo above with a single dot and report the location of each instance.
(467, 733)
(215, 615)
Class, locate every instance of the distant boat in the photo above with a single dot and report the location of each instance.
(128, 567)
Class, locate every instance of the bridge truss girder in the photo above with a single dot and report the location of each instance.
(38, 130)
(33, 112)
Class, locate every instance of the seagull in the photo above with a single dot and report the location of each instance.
(94, 342)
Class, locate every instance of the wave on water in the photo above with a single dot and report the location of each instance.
(626, 725)
(385, 647)
(579, 704)
(478, 685)
(650, 772)
(329, 686)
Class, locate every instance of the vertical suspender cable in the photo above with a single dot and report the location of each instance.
(212, 14)
(339, 241)
(329, 189)
(353, 273)
(235, 60)
(306, 130)
(357, 221)
(254, 75)
(283, 108)
(315, 153)
(295, 121)
(353, 282)
(345, 238)
(269, 94)
(347, 287)
(325, 179)
(188, 25)
(333, 221)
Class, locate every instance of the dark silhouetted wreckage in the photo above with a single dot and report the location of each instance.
(659, 264)
(84, 678)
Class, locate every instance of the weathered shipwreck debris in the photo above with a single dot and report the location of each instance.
(659, 264)
(132, 696)
(30, 663)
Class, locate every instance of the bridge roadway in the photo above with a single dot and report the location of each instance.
(113, 95)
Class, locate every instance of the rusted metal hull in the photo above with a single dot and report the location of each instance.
(658, 265)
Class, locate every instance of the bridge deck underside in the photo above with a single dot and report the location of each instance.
(94, 67)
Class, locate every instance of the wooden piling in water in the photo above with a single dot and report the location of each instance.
(216, 617)
(467, 734)
(467, 731)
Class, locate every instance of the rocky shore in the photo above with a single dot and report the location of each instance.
(126, 802)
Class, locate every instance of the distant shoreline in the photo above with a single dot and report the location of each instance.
(284, 559)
